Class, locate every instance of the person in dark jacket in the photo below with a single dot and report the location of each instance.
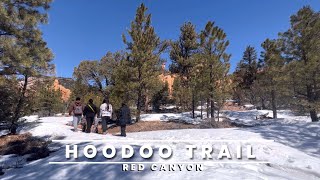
(90, 112)
(76, 109)
(124, 119)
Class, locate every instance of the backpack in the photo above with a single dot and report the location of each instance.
(78, 109)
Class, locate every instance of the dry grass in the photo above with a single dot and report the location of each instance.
(162, 125)
(23, 144)
(233, 108)
(150, 126)
(209, 123)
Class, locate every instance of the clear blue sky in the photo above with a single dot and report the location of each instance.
(87, 29)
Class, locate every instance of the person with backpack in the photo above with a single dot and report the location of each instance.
(124, 118)
(90, 112)
(105, 114)
(76, 109)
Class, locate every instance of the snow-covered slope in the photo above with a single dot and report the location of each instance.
(185, 117)
(293, 155)
(294, 131)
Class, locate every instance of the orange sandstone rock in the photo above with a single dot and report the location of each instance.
(65, 93)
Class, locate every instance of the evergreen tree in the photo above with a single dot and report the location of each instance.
(181, 54)
(222, 93)
(90, 73)
(144, 50)
(246, 73)
(301, 44)
(216, 61)
(8, 96)
(48, 99)
(123, 89)
(160, 98)
(22, 49)
(271, 72)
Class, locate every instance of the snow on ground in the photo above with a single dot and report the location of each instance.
(185, 116)
(295, 131)
(249, 117)
(169, 107)
(293, 155)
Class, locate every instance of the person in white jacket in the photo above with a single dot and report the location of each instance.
(105, 114)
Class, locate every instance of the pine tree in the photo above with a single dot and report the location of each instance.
(301, 46)
(216, 61)
(90, 73)
(123, 88)
(22, 49)
(161, 97)
(181, 54)
(48, 100)
(271, 72)
(8, 96)
(246, 73)
(144, 48)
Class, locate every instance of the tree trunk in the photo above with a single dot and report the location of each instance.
(313, 115)
(146, 104)
(193, 105)
(311, 99)
(201, 108)
(208, 107)
(139, 94)
(239, 100)
(17, 112)
(263, 105)
(212, 108)
(274, 104)
(138, 107)
(252, 97)
(211, 92)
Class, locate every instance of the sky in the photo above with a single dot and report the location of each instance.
(87, 29)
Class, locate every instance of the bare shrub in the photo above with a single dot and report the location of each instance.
(24, 144)
(213, 123)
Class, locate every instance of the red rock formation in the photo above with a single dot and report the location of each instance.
(65, 93)
(32, 81)
(167, 78)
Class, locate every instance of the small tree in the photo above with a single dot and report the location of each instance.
(49, 100)
(271, 72)
(161, 97)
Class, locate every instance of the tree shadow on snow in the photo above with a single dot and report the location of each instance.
(41, 169)
(299, 135)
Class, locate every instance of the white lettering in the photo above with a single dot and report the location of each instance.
(249, 153)
(125, 167)
(113, 151)
(74, 151)
(224, 152)
(153, 167)
(126, 155)
(168, 154)
(150, 151)
(190, 151)
(239, 152)
(206, 152)
(86, 151)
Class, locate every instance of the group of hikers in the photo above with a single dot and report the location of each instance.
(90, 113)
